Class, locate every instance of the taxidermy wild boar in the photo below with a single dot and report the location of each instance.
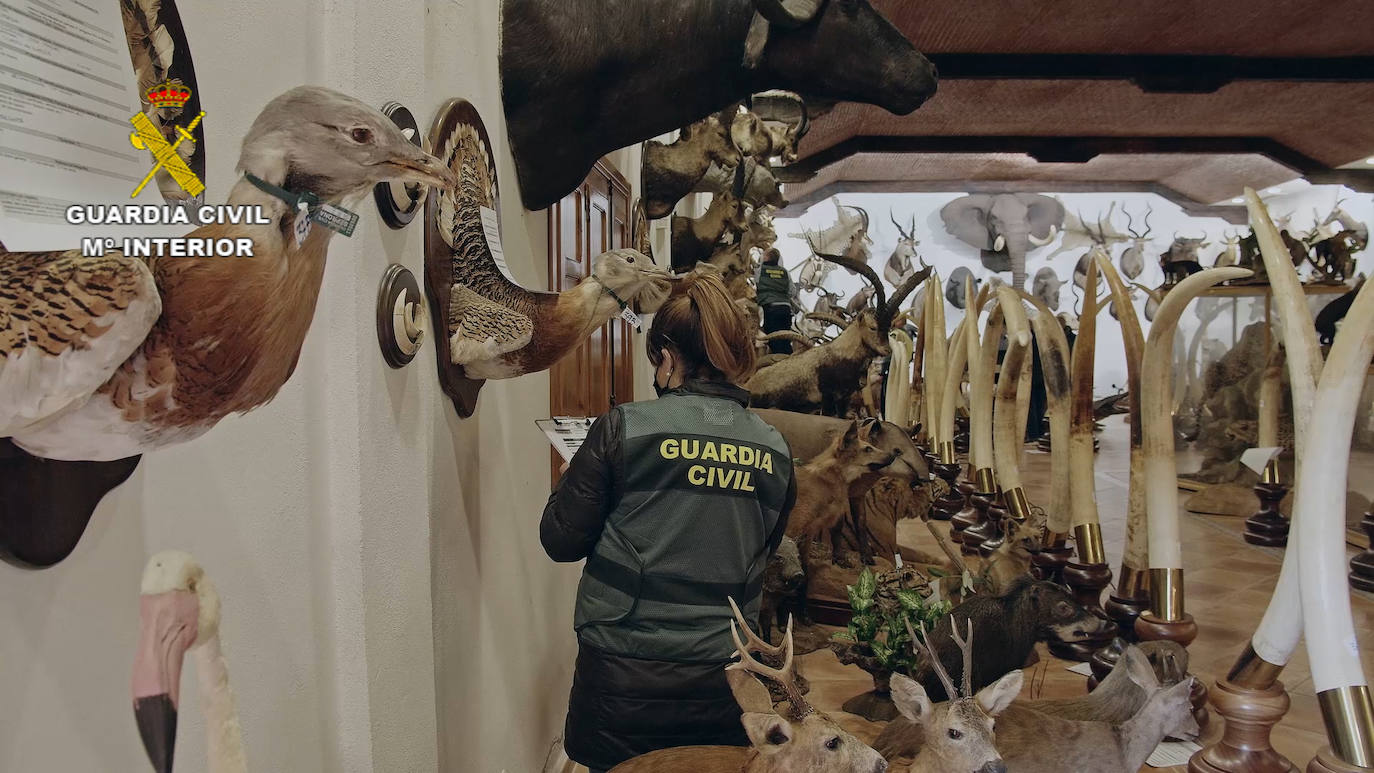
(783, 582)
(580, 79)
(1008, 627)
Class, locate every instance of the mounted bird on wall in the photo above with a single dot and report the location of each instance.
(1004, 227)
(490, 327)
(107, 358)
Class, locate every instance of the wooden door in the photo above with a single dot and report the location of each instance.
(598, 374)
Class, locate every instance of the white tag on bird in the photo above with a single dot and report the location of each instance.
(302, 225)
(628, 314)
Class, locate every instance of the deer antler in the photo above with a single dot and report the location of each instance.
(965, 647)
(923, 647)
(784, 676)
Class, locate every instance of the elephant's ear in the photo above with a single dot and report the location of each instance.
(966, 218)
(1042, 212)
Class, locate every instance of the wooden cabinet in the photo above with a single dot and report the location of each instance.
(589, 221)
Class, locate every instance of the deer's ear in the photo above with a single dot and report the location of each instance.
(911, 699)
(1139, 668)
(766, 731)
(851, 435)
(995, 698)
(749, 692)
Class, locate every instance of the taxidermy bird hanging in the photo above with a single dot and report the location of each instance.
(493, 327)
(110, 357)
(180, 613)
(105, 358)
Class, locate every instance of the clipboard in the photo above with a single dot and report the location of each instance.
(565, 433)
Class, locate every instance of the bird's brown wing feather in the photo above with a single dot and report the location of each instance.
(66, 324)
(483, 328)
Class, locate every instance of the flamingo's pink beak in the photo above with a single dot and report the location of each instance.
(168, 629)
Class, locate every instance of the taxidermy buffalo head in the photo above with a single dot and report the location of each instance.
(1005, 227)
(580, 78)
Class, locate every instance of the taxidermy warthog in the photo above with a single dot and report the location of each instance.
(671, 171)
(580, 79)
(1009, 626)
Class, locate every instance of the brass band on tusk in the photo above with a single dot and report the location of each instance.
(1271, 472)
(1089, 539)
(1134, 583)
(1018, 506)
(1252, 671)
(984, 481)
(1349, 719)
(1166, 594)
(947, 452)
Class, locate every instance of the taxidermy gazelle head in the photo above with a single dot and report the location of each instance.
(334, 146)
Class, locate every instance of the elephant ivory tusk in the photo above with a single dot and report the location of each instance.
(936, 353)
(1082, 494)
(1135, 558)
(980, 393)
(1007, 438)
(1054, 361)
(999, 244)
(1054, 231)
(897, 395)
(1157, 443)
(954, 376)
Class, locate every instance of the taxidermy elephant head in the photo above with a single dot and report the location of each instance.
(1005, 227)
(954, 286)
(1046, 286)
(580, 79)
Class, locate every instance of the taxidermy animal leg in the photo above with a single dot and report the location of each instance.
(837, 540)
(861, 534)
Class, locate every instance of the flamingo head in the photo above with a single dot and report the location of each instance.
(179, 609)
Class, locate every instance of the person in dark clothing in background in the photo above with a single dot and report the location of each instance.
(677, 504)
(773, 292)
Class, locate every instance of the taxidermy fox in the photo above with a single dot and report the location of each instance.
(823, 488)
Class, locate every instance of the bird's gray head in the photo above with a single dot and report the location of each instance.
(318, 140)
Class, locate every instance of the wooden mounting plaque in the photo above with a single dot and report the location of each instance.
(457, 118)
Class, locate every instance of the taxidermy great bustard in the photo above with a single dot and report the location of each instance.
(106, 358)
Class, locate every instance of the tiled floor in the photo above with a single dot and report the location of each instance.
(1228, 586)
(1228, 583)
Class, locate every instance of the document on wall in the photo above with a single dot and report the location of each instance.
(67, 92)
(565, 433)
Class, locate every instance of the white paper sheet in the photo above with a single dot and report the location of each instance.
(1258, 458)
(67, 91)
(565, 433)
(1171, 753)
(1085, 669)
(491, 228)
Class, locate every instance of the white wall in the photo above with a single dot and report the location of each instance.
(946, 253)
(387, 606)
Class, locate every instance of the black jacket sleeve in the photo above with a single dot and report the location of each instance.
(586, 495)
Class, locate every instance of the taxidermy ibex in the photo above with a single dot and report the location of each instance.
(695, 239)
(672, 171)
(823, 379)
(796, 739)
(582, 79)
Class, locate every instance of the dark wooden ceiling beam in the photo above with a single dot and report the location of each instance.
(1155, 73)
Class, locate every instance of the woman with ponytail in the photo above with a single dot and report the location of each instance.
(677, 504)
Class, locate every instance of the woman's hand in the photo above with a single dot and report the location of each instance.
(564, 469)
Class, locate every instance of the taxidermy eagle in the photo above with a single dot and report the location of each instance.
(108, 357)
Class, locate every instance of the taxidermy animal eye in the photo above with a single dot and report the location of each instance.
(1063, 609)
(833, 743)
(955, 734)
(361, 135)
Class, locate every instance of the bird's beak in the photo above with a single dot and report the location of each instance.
(168, 630)
(416, 166)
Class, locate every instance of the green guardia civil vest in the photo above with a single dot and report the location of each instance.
(774, 286)
(704, 484)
